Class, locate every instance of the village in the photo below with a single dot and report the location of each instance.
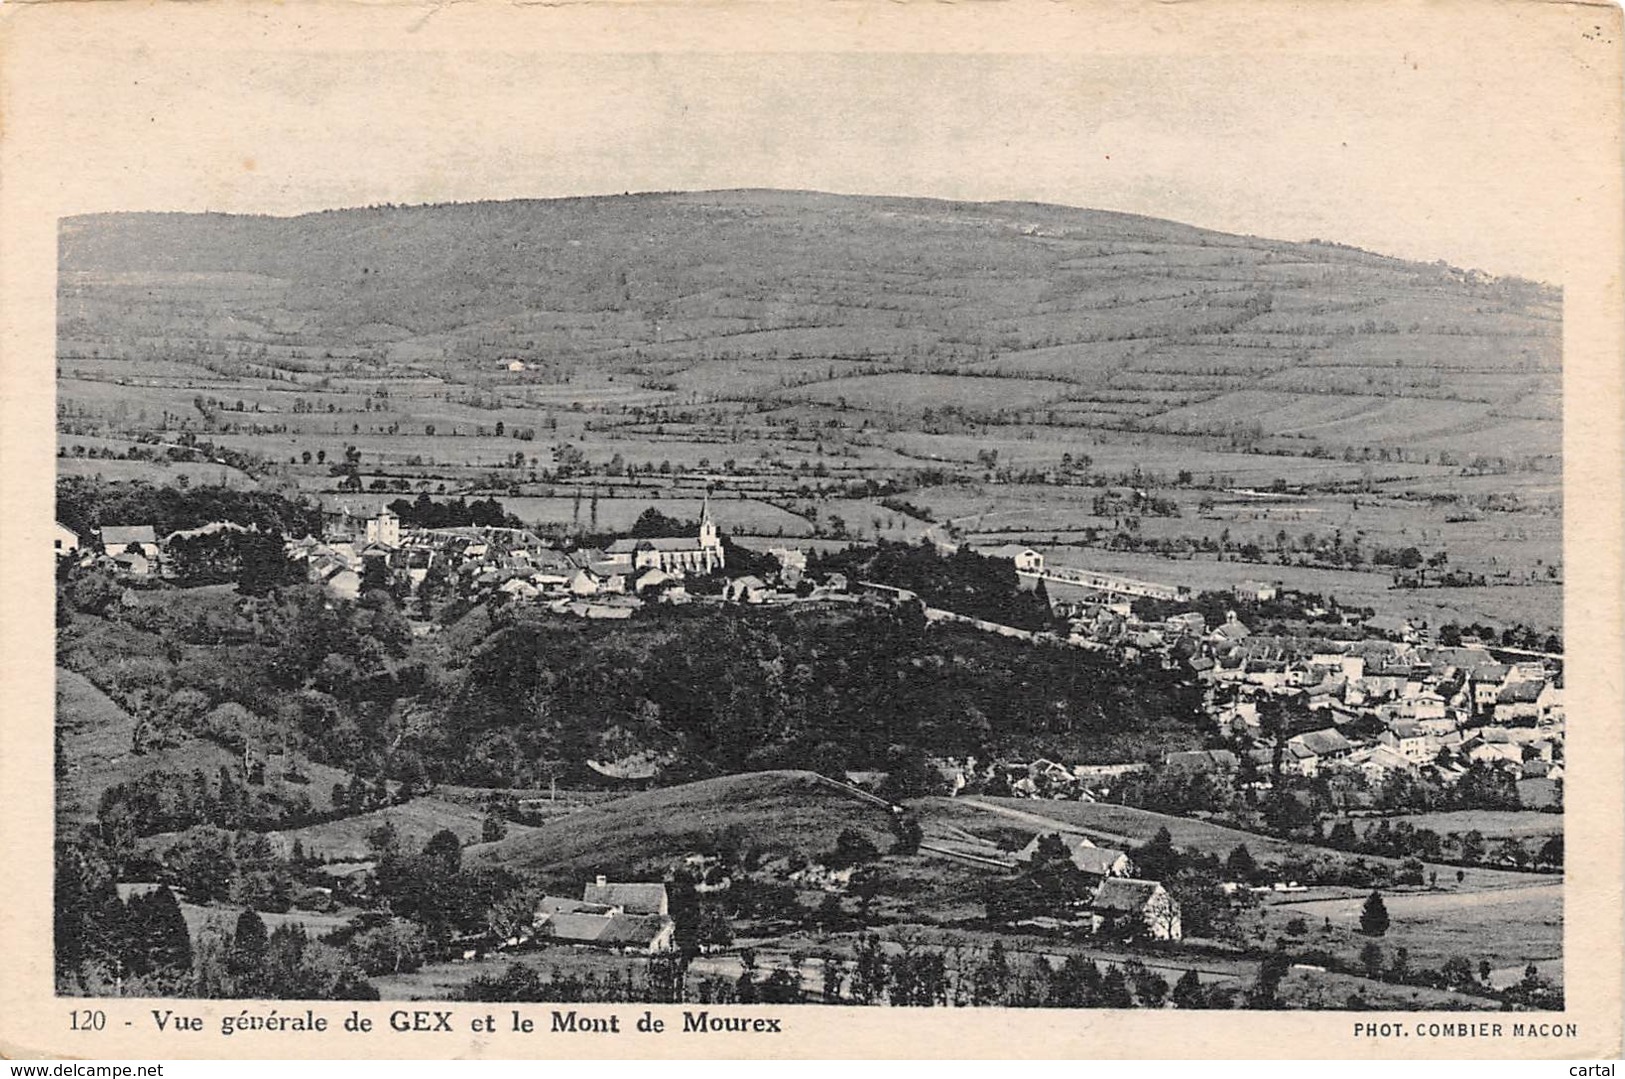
(1349, 710)
(1354, 692)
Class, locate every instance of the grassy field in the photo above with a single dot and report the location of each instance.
(1508, 927)
(1494, 824)
(160, 472)
(202, 920)
(96, 736)
(1125, 827)
(414, 823)
(1537, 605)
(775, 811)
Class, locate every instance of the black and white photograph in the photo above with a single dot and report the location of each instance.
(1080, 530)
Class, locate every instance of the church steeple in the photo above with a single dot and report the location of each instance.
(708, 527)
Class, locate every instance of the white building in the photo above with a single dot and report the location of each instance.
(67, 541)
(384, 529)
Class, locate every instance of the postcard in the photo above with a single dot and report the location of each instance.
(811, 530)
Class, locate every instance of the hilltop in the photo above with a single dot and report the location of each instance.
(816, 304)
(770, 812)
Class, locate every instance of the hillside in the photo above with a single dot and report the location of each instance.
(770, 811)
(890, 312)
(415, 822)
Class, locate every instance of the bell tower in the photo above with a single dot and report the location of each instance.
(708, 527)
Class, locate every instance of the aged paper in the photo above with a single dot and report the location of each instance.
(1123, 325)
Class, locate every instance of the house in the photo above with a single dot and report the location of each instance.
(1096, 861)
(747, 589)
(1390, 627)
(1135, 908)
(585, 583)
(674, 554)
(1231, 631)
(791, 558)
(1204, 667)
(1323, 695)
(343, 583)
(1326, 744)
(1256, 591)
(1425, 704)
(1493, 745)
(520, 589)
(139, 539)
(515, 365)
(1410, 740)
(1026, 559)
(1523, 700)
(67, 541)
(1377, 763)
(1186, 623)
(1296, 758)
(652, 578)
(1484, 686)
(624, 917)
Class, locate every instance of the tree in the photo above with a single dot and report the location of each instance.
(245, 956)
(396, 947)
(852, 847)
(1374, 916)
(159, 941)
(1458, 972)
(1551, 852)
(870, 970)
(1240, 865)
(1188, 992)
(867, 884)
(1157, 859)
(444, 849)
(1372, 959)
(375, 576)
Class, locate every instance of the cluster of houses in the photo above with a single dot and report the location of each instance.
(1377, 706)
(483, 563)
(1384, 707)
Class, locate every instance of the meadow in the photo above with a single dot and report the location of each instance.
(997, 363)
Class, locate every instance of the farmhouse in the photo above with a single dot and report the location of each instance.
(1096, 861)
(1135, 908)
(129, 539)
(626, 917)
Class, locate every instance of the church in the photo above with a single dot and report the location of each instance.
(676, 555)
